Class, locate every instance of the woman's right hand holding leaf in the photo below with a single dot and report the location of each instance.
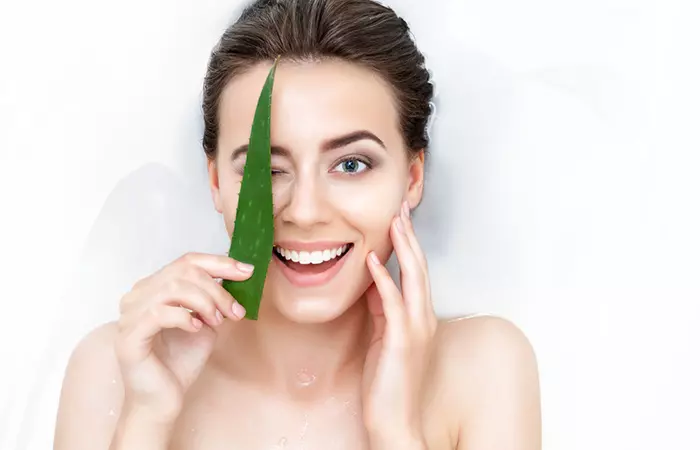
(162, 347)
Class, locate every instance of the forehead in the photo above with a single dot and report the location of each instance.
(311, 102)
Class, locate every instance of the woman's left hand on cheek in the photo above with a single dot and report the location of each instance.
(404, 325)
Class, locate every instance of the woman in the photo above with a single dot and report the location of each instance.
(341, 357)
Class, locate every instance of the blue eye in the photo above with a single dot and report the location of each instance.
(352, 166)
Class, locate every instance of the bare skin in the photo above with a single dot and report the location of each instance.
(352, 363)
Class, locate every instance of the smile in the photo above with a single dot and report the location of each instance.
(307, 265)
(315, 257)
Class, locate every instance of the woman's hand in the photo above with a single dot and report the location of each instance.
(162, 347)
(404, 325)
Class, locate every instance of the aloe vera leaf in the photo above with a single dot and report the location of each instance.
(253, 230)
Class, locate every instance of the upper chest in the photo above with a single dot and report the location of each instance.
(269, 426)
(236, 417)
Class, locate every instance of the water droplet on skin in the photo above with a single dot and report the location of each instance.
(111, 412)
(114, 381)
(350, 408)
(304, 427)
(305, 378)
(282, 443)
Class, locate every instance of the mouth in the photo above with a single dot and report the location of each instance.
(310, 268)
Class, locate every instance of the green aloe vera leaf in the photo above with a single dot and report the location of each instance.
(253, 230)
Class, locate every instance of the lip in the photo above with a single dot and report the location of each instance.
(310, 246)
(315, 279)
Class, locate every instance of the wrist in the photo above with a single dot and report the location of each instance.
(157, 414)
(142, 418)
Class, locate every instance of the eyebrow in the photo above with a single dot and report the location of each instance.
(328, 145)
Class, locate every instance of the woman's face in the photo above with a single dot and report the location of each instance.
(340, 174)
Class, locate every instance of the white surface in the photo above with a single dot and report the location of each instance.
(562, 194)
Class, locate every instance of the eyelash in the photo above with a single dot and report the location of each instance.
(364, 160)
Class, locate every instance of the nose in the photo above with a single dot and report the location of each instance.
(306, 204)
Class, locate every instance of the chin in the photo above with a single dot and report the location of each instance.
(312, 310)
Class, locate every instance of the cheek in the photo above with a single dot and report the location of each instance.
(229, 188)
(370, 208)
(282, 187)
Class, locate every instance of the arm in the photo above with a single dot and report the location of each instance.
(495, 378)
(91, 412)
(139, 431)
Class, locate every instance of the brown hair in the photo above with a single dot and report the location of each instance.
(358, 31)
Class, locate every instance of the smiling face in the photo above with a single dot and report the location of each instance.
(340, 174)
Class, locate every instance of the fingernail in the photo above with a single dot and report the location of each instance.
(243, 267)
(219, 316)
(399, 226)
(238, 310)
(197, 323)
(373, 257)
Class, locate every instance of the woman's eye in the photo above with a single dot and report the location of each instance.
(352, 166)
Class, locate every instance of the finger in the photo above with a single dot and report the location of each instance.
(216, 266)
(376, 310)
(137, 339)
(188, 295)
(411, 235)
(225, 303)
(392, 302)
(412, 274)
(418, 251)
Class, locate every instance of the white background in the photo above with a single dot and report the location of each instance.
(563, 191)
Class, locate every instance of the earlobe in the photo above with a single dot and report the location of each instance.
(214, 184)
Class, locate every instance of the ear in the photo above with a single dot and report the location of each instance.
(214, 184)
(416, 177)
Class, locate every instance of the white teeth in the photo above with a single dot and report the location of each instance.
(316, 257)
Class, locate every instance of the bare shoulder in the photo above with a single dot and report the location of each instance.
(488, 369)
(487, 336)
(91, 394)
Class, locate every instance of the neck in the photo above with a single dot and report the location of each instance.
(306, 361)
